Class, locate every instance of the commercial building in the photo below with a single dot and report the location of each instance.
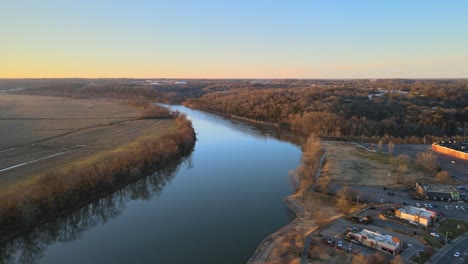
(438, 192)
(452, 148)
(417, 215)
(384, 243)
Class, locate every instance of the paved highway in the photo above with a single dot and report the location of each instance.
(446, 256)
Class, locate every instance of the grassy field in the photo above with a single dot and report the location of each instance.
(454, 227)
(347, 163)
(77, 131)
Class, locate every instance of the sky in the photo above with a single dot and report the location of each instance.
(234, 39)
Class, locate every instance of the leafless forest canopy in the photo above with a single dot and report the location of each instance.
(398, 110)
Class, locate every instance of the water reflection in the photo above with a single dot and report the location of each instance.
(29, 247)
(257, 130)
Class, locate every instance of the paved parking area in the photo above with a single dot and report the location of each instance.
(340, 226)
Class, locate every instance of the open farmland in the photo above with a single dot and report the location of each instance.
(46, 134)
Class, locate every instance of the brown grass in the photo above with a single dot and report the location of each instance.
(36, 138)
(349, 164)
(27, 119)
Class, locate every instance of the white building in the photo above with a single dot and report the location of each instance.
(385, 243)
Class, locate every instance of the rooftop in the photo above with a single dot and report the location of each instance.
(438, 188)
(417, 211)
(394, 241)
(453, 144)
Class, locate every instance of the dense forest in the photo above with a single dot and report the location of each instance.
(398, 110)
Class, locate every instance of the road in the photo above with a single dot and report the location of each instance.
(445, 256)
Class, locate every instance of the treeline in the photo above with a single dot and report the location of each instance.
(346, 112)
(304, 176)
(397, 110)
(167, 93)
(58, 192)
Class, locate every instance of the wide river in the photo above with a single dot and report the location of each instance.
(214, 207)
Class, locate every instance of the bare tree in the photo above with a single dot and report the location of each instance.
(359, 259)
(320, 217)
(342, 201)
(427, 159)
(400, 166)
(379, 146)
(443, 176)
(397, 260)
(323, 184)
(294, 179)
(391, 147)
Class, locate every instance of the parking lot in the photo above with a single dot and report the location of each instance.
(339, 227)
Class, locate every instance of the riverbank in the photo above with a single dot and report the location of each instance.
(51, 195)
(312, 211)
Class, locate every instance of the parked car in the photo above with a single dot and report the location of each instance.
(340, 243)
(434, 234)
(457, 254)
(418, 204)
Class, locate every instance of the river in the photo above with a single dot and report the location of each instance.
(216, 206)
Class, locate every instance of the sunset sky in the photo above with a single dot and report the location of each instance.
(234, 39)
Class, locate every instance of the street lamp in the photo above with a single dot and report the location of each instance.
(446, 236)
(335, 241)
(349, 251)
(357, 200)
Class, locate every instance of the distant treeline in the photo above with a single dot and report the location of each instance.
(58, 192)
(398, 110)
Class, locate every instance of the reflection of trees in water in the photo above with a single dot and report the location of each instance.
(29, 247)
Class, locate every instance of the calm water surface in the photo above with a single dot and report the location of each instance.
(214, 207)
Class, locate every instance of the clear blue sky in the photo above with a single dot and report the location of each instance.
(234, 39)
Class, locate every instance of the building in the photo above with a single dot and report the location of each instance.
(438, 192)
(452, 148)
(384, 243)
(418, 215)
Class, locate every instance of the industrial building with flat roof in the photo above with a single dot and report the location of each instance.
(438, 192)
(452, 148)
(384, 243)
(418, 215)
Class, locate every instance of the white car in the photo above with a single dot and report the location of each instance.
(418, 204)
(425, 205)
(340, 243)
(434, 234)
(457, 254)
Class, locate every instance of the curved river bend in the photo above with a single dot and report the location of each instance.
(214, 207)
